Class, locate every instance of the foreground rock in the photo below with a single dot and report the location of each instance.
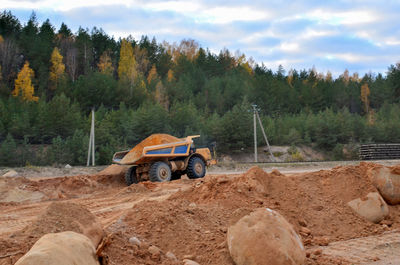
(387, 181)
(372, 207)
(65, 248)
(264, 237)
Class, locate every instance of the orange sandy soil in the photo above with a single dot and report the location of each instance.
(190, 217)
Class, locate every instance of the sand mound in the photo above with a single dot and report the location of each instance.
(66, 216)
(75, 186)
(176, 226)
(22, 189)
(254, 183)
(113, 170)
(19, 190)
(312, 199)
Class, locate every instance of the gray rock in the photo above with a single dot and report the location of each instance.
(189, 262)
(68, 166)
(171, 256)
(135, 241)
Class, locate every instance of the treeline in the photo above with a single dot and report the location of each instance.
(51, 79)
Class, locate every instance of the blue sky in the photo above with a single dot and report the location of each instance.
(359, 35)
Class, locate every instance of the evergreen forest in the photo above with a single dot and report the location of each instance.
(51, 78)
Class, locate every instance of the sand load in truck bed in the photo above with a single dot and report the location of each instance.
(155, 139)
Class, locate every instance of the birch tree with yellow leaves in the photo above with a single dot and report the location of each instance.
(161, 96)
(105, 65)
(23, 84)
(152, 75)
(364, 97)
(57, 68)
(127, 65)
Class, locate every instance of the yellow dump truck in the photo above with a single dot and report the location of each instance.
(162, 157)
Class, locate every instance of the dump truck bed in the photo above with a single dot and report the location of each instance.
(153, 148)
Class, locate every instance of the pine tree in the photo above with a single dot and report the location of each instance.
(1, 41)
(7, 151)
(23, 84)
(57, 68)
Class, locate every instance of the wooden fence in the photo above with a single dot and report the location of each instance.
(379, 151)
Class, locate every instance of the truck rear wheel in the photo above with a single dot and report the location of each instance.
(196, 168)
(130, 176)
(160, 172)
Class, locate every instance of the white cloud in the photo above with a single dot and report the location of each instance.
(61, 5)
(342, 18)
(312, 33)
(289, 47)
(330, 35)
(229, 14)
(183, 7)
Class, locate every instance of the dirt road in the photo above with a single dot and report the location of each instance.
(190, 217)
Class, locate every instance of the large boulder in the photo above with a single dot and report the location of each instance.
(387, 181)
(264, 237)
(372, 207)
(65, 248)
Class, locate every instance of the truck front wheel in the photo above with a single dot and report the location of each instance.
(160, 172)
(196, 168)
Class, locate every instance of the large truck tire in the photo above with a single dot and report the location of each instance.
(196, 168)
(160, 172)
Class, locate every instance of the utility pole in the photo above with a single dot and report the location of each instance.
(255, 132)
(265, 137)
(256, 116)
(91, 142)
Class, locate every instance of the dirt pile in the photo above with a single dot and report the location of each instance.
(113, 170)
(66, 216)
(188, 230)
(194, 221)
(76, 185)
(19, 189)
(190, 218)
(312, 200)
